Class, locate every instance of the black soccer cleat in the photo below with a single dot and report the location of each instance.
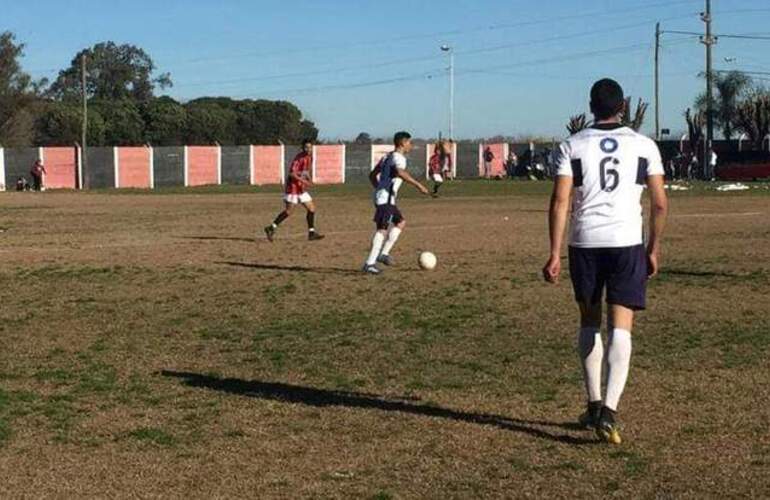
(270, 233)
(607, 428)
(313, 236)
(590, 418)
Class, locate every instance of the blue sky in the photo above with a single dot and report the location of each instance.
(522, 67)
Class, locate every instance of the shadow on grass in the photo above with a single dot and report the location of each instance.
(276, 391)
(218, 238)
(301, 269)
(701, 274)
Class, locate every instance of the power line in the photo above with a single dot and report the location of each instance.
(422, 76)
(440, 72)
(447, 33)
(404, 61)
(566, 37)
(310, 73)
(742, 37)
(744, 72)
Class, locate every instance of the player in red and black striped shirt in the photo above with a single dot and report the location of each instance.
(297, 184)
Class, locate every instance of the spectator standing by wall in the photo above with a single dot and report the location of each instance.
(511, 164)
(489, 156)
(713, 158)
(38, 172)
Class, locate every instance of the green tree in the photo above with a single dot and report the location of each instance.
(753, 116)
(209, 121)
(60, 124)
(577, 123)
(695, 124)
(18, 94)
(165, 121)
(113, 72)
(730, 88)
(123, 122)
(634, 118)
(363, 138)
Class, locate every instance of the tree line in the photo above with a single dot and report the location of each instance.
(739, 106)
(123, 108)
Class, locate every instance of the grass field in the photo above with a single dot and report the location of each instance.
(152, 347)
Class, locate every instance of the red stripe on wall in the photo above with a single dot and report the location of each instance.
(267, 164)
(61, 168)
(134, 167)
(202, 165)
(328, 164)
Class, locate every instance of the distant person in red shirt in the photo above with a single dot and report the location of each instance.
(440, 166)
(37, 172)
(297, 184)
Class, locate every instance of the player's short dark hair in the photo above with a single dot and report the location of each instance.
(401, 137)
(607, 99)
(307, 141)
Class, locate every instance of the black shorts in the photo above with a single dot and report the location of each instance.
(623, 271)
(385, 215)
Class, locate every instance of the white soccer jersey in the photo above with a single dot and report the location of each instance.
(609, 165)
(389, 182)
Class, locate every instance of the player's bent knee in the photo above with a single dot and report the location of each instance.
(590, 314)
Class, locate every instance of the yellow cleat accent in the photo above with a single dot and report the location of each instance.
(611, 435)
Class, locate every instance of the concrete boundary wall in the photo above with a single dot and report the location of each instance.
(329, 164)
(133, 167)
(236, 165)
(168, 166)
(61, 164)
(266, 165)
(100, 171)
(175, 166)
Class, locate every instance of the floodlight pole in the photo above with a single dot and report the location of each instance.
(657, 81)
(84, 132)
(450, 51)
(708, 40)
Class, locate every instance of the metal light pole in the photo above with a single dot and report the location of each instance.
(448, 49)
(657, 81)
(708, 40)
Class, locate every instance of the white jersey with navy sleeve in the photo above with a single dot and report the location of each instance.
(389, 182)
(609, 165)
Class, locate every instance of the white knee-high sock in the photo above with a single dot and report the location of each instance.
(392, 239)
(377, 240)
(591, 352)
(618, 362)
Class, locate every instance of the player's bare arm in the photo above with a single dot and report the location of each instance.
(295, 175)
(557, 223)
(373, 175)
(407, 177)
(658, 214)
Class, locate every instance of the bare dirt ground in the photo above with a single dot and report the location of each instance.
(153, 346)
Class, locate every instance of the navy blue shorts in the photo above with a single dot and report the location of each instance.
(385, 215)
(622, 271)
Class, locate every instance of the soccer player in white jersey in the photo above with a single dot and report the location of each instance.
(607, 166)
(386, 178)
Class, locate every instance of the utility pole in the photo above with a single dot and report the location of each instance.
(448, 49)
(657, 81)
(708, 40)
(83, 149)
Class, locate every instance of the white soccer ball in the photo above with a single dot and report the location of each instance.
(428, 261)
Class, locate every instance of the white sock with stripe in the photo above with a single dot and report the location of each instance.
(377, 241)
(591, 352)
(618, 363)
(391, 241)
